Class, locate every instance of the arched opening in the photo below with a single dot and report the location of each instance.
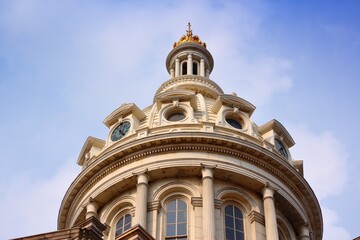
(195, 68)
(184, 68)
(176, 220)
(123, 225)
(234, 223)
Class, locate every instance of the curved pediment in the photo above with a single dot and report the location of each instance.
(233, 101)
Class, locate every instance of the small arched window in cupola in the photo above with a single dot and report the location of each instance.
(281, 148)
(195, 68)
(184, 68)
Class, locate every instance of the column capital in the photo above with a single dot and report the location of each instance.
(142, 176)
(268, 191)
(207, 171)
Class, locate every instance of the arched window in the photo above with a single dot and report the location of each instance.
(184, 68)
(195, 68)
(176, 220)
(234, 226)
(123, 225)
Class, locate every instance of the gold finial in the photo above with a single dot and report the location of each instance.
(189, 31)
(189, 38)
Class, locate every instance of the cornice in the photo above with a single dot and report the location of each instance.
(203, 83)
(113, 159)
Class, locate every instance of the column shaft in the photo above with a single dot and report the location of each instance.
(208, 204)
(141, 200)
(177, 67)
(202, 68)
(270, 214)
(304, 233)
(189, 65)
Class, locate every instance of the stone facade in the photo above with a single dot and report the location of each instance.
(193, 165)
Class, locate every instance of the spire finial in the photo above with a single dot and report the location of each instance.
(189, 31)
(189, 38)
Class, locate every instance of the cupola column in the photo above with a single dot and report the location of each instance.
(207, 75)
(304, 233)
(202, 68)
(177, 67)
(270, 214)
(141, 198)
(172, 73)
(208, 203)
(190, 65)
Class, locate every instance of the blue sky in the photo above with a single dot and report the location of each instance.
(65, 65)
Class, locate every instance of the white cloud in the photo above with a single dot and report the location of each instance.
(332, 230)
(32, 207)
(325, 160)
(325, 168)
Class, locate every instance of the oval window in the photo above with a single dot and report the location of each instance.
(234, 123)
(175, 116)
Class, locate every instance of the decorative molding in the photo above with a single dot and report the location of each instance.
(154, 206)
(257, 217)
(196, 202)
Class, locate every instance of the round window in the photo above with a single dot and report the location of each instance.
(234, 123)
(175, 116)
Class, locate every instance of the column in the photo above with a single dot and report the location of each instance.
(177, 67)
(202, 68)
(172, 74)
(189, 65)
(304, 233)
(91, 209)
(270, 214)
(207, 73)
(208, 203)
(141, 199)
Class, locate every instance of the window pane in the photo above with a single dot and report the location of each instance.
(239, 235)
(127, 218)
(230, 234)
(182, 217)
(127, 226)
(229, 210)
(229, 222)
(171, 217)
(181, 205)
(238, 213)
(181, 229)
(170, 230)
(171, 206)
(239, 224)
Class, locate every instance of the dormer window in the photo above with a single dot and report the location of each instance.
(281, 148)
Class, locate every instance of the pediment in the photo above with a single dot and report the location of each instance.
(123, 111)
(90, 143)
(233, 101)
(175, 95)
(279, 129)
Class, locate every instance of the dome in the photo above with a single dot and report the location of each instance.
(192, 165)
